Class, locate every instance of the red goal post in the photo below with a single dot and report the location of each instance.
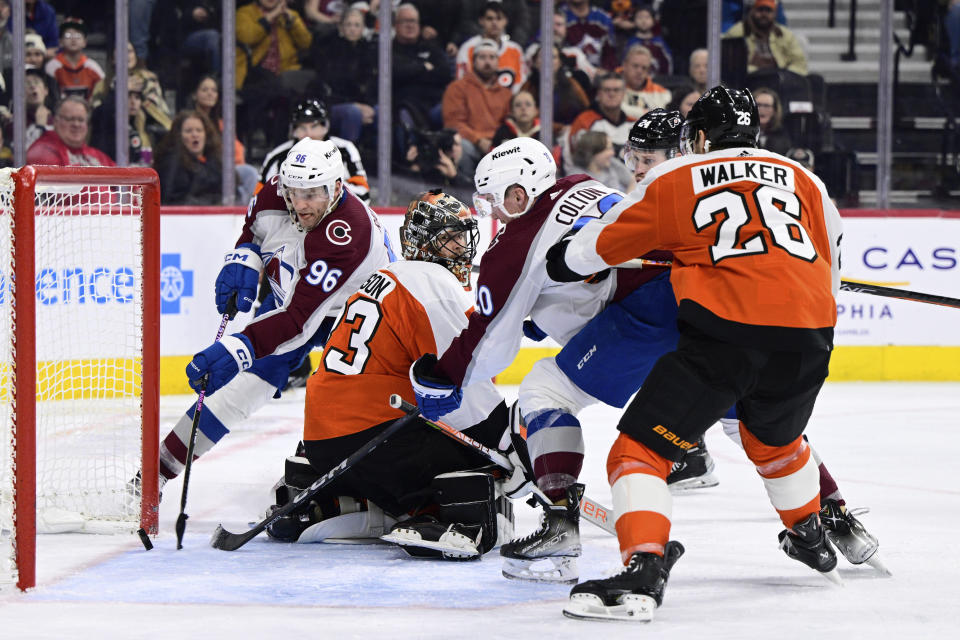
(80, 354)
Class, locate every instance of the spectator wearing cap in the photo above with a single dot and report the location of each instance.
(769, 45)
(66, 145)
(42, 19)
(75, 73)
(476, 104)
(34, 51)
(512, 71)
(641, 93)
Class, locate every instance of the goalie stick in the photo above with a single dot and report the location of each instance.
(181, 525)
(592, 511)
(226, 541)
(854, 286)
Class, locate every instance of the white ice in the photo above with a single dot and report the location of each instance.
(891, 446)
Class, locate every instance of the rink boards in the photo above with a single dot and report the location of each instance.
(877, 338)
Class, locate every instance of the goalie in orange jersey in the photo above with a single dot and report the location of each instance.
(403, 310)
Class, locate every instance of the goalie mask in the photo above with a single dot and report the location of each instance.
(439, 228)
(653, 139)
(311, 181)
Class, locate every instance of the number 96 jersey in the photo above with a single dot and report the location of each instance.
(755, 242)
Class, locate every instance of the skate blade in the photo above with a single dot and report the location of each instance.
(877, 563)
(832, 576)
(632, 608)
(557, 570)
(692, 484)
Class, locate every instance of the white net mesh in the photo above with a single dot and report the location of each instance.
(89, 325)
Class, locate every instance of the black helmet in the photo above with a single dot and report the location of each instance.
(654, 138)
(309, 110)
(728, 117)
(656, 129)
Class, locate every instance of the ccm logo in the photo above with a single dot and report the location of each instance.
(672, 437)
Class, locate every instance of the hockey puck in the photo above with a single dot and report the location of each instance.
(145, 539)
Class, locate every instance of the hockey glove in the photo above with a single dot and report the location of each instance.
(557, 268)
(217, 365)
(436, 395)
(240, 274)
(521, 481)
(532, 331)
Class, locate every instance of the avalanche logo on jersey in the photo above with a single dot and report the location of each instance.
(279, 273)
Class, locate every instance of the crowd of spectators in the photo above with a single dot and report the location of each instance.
(465, 78)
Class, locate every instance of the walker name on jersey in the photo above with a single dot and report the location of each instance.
(710, 176)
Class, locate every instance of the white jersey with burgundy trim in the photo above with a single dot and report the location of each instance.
(310, 273)
(513, 283)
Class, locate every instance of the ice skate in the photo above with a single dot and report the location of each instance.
(849, 535)
(693, 471)
(550, 553)
(427, 537)
(631, 595)
(807, 543)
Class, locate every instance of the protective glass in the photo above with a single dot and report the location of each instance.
(635, 157)
(485, 203)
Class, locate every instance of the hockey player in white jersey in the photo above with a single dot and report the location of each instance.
(316, 243)
(310, 119)
(425, 480)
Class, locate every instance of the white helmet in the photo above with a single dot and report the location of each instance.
(521, 161)
(311, 164)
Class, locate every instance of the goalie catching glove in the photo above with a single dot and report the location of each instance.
(240, 274)
(217, 365)
(436, 395)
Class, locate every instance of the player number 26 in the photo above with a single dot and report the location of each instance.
(323, 277)
(779, 212)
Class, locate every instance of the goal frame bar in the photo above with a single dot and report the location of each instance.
(26, 180)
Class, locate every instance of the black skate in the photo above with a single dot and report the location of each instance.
(426, 537)
(550, 553)
(849, 535)
(808, 543)
(693, 471)
(630, 595)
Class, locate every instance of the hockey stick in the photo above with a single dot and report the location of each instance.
(226, 541)
(181, 525)
(855, 286)
(861, 286)
(593, 512)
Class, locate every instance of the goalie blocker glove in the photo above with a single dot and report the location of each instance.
(436, 395)
(217, 365)
(240, 274)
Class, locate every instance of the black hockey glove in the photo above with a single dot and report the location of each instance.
(558, 270)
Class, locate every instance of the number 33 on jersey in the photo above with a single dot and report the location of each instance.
(755, 240)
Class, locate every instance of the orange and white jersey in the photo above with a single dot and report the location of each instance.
(755, 243)
(401, 312)
(512, 70)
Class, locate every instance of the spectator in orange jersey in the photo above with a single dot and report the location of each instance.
(75, 73)
(512, 70)
(641, 93)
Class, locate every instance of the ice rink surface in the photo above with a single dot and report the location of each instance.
(891, 447)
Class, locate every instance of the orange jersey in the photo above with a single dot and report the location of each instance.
(755, 240)
(402, 311)
(512, 72)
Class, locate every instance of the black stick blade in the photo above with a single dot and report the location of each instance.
(226, 541)
(181, 527)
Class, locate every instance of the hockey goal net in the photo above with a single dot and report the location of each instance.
(79, 356)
